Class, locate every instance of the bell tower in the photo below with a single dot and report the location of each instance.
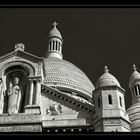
(110, 114)
(134, 110)
(55, 43)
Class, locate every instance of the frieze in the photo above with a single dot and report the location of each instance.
(23, 128)
(109, 88)
(19, 119)
(134, 117)
(135, 124)
(112, 122)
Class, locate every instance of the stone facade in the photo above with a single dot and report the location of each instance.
(53, 95)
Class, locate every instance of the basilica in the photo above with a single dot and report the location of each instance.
(51, 95)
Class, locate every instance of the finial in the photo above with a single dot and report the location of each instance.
(106, 69)
(54, 24)
(134, 67)
(19, 46)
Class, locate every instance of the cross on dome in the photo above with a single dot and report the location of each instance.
(106, 69)
(134, 67)
(55, 24)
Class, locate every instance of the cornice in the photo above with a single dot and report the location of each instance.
(21, 54)
(109, 88)
(62, 95)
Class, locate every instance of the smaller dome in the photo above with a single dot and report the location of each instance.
(54, 32)
(107, 79)
(135, 76)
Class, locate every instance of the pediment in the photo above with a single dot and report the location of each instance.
(61, 97)
(17, 54)
(55, 106)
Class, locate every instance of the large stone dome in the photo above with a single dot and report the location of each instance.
(61, 73)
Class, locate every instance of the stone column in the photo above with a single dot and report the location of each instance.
(54, 45)
(38, 91)
(137, 90)
(31, 92)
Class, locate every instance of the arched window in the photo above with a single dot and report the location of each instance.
(50, 45)
(99, 102)
(109, 99)
(120, 98)
(135, 88)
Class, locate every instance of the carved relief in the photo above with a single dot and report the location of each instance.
(19, 46)
(54, 109)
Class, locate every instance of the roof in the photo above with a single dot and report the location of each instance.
(107, 79)
(62, 73)
(135, 76)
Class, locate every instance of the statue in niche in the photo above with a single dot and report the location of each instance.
(2, 94)
(15, 93)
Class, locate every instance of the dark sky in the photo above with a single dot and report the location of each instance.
(93, 37)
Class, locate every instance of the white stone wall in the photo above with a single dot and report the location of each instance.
(68, 111)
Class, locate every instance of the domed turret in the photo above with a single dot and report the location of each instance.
(134, 110)
(135, 76)
(134, 85)
(108, 98)
(54, 32)
(55, 43)
(107, 79)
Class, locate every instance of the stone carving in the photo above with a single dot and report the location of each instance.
(21, 128)
(19, 46)
(54, 109)
(2, 94)
(15, 93)
(19, 119)
(109, 122)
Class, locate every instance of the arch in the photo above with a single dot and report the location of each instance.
(15, 63)
(23, 69)
(110, 99)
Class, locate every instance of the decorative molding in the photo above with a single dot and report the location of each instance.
(21, 54)
(66, 98)
(21, 128)
(134, 117)
(109, 88)
(54, 109)
(22, 63)
(15, 119)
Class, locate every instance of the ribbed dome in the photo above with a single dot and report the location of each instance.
(55, 33)
(61, 73)
(107, 79)
(134, 76)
